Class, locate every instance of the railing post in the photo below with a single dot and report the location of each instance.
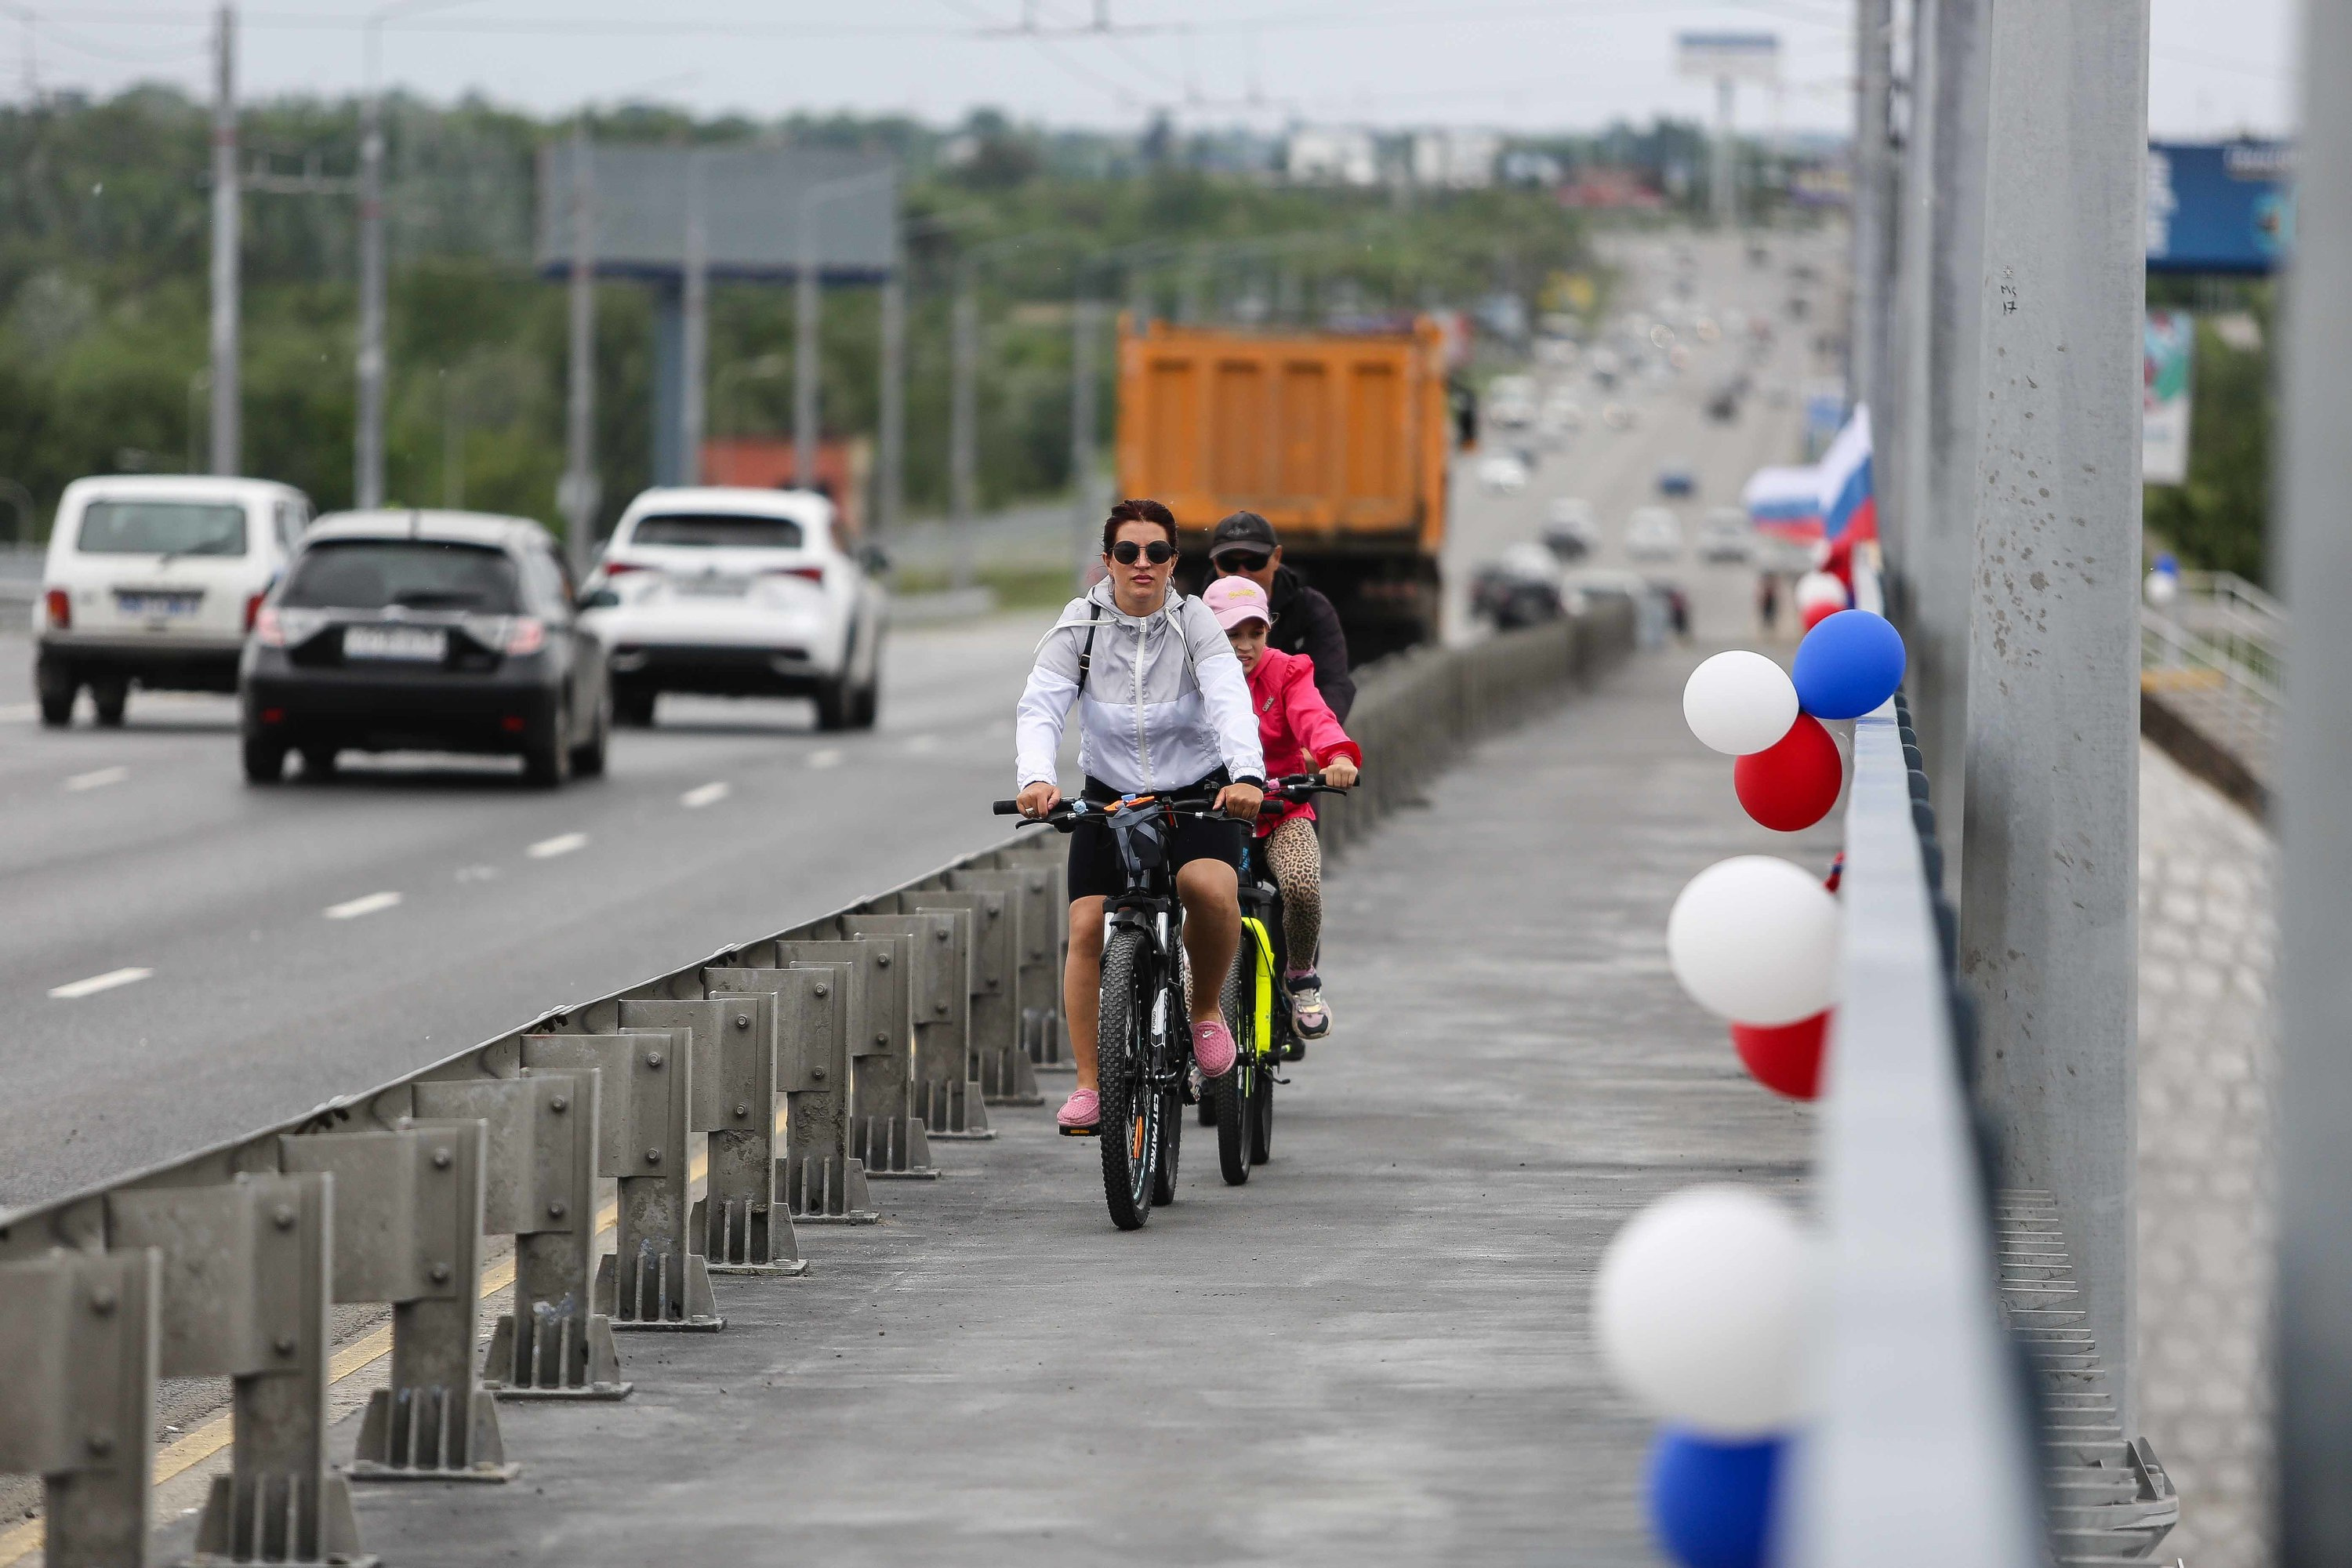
(885, 1131)
(540, 1186)
(822, 1181)
(408, 1230)
(245, 1282)
(999, 1062)
(78, 1366)
(653, 1278)
(946, 1094)
(2049, 905)
(1041, 914)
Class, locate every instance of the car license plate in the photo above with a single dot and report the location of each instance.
(158, 604)
(414, 645)
(712, 586)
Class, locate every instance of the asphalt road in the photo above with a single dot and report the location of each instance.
(270, 949)
(191, 958)
(1617, 470)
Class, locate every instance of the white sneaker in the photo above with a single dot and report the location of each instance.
(1309, 1013)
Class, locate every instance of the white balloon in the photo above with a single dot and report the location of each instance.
(1699, 1308)
(1739, 702)
(1754, 938)
(2161, 587)
(1817, 588)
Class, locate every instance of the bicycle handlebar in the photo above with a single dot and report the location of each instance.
(1069, 813)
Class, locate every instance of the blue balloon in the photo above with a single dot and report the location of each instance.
(1848, 665)
(1711, 1503)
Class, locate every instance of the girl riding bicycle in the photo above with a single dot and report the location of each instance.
(1296, 729)
(1165, 707)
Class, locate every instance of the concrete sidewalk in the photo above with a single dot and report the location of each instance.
(1377, 1351)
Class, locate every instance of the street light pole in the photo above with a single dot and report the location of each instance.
(961, 412)
(807, 300)
(1085, 328)
(697, 324)
(1874, 68)
(579, 489)
(890, 491)
(227, 437)
(367, 477)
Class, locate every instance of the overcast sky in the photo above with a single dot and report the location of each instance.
(2216, 66)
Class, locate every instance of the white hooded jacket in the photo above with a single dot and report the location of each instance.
(1165, 703)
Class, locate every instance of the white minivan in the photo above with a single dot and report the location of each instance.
(155, 579)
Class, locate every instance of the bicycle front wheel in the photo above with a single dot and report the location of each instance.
(1231, 1096)
(1130, 1127)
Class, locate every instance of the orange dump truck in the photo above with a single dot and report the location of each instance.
(1339, 440)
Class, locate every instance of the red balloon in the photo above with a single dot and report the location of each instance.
(1787, 1058)
(1814, 614)
(1791, 783)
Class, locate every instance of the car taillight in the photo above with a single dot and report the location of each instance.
(60, 610)
(262, 621)
(807, 574)
(526, 634)
(614, 568)
(253, 609)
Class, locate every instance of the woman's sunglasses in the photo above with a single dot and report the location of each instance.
(1159, 552)
(1235, 560)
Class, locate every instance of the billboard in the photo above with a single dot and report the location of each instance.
(2218, 207)
(752, 205)
(1742, 57)
(2169, 348)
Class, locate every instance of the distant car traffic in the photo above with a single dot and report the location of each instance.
(440, 631)
(1725, 533)
(1677, 479)
(1503, 472)
(155, 580)
(1654, 533)
(738, 592)
(1519, 588)
(1570, 530)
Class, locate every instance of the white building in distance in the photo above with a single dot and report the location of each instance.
(1331, 156)
(1455, 160)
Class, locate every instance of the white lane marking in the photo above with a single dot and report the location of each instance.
(828, 758)
(368, 904)
(97, 982)
(97, 778)
(704, 794)
(561, 844)
(20, 712)
(477, 873)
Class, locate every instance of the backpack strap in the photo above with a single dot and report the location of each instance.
(1087, 654)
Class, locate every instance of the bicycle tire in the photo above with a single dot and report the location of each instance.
(1129, 1137)
(1229, 1097)
(1261, 1117)
(1173, 1065)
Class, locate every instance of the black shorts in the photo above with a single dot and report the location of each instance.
(1094, 870)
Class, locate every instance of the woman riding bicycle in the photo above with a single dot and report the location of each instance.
(1163, 708)
(1295, 728)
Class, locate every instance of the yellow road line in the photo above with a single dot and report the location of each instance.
(185, 1454)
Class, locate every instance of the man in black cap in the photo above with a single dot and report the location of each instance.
(1244, 545)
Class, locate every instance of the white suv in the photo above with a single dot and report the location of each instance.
(736, 592)
(155, 579)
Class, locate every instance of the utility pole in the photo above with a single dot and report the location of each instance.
(1874, 68)
(890, 490)
(961, 412)
(2049, 905)
(1726, 199)
(367, 479)
(1085, 328)
(227, 437)
(2314, 1371)
(695, 357)
(577, 496)
(807, 300)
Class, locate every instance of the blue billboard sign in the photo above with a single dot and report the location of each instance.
(2218, 207)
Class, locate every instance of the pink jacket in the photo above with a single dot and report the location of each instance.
(1293, 721)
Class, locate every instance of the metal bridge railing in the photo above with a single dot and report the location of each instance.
(1920, 1447)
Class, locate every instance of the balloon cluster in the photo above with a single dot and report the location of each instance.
(1700, 1298)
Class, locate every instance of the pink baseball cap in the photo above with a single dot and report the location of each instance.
(1233, 600)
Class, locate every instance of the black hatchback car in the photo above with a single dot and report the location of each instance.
(442, 631)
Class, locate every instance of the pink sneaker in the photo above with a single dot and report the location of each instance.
(1213, 1048)
(1080, 1114)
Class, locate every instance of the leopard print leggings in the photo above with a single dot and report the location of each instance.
(1296, 856)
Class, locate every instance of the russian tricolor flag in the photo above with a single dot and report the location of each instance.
(1785, 501)
(1849, 507)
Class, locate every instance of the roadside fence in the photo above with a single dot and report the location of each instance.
(603, 1161)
